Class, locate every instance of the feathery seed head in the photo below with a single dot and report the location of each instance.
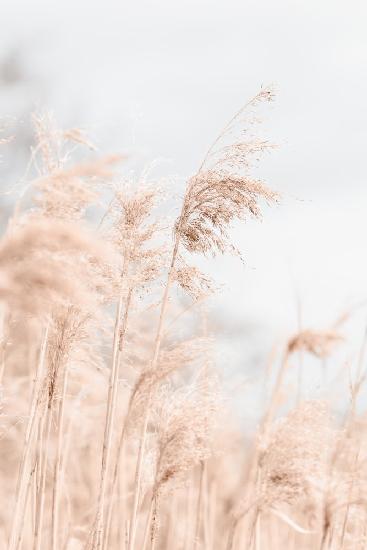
(223, 189)
(295, 459)
(318, 343)
(187, 423)
(39, 265)
(213, 200)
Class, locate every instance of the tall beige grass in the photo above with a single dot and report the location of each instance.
(115, 428)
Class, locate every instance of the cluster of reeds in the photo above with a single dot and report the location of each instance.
(115, 430)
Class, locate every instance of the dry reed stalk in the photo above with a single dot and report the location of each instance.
(201, 501)
(326, 539)
(34, 497)
(269, 415)
(68, 330)
(57, 467)
(235, 520)
(66, 441)
(115, 479)
(121, 510)
(114, 483)
(118, 492)
(137, 483)
(120, 333)
(257, 533)
(148, 523)
(39, 468)
(212, 515)
(189, 514)
(200, 512)
(45, 426)
(127, 533)
(252, 530)
(129, 234)
(349, 499)
(154, 524)
(28, 443)
(98, 535)
(28, 491)
(172, 535)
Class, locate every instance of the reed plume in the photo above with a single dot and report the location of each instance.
(185, 438)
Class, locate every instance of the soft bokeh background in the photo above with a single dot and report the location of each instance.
(160, 78)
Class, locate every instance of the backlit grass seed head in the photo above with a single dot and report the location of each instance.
(192, 280)
(67, 192)
(179, 356)
(129, 216)
(295, 459)
(242, 154)
(64, 191)
(54, 146)
(135, 235)
(187, 424)
(318, 343)
(214, 199)
(223, 189)
(42, 265)
(68, 330)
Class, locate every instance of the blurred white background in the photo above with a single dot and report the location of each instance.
(160, 78)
